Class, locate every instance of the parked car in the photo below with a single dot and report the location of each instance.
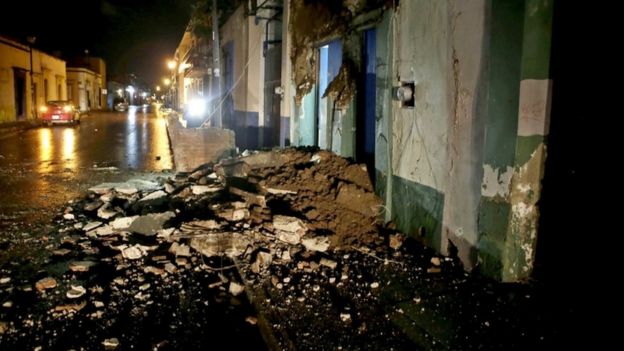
(60, 111)
(121, 106)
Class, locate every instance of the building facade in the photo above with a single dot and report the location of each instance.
(19, 99)
(86, 83)
(446, 102)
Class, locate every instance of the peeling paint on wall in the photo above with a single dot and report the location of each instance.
(522, 236)
(496, 182)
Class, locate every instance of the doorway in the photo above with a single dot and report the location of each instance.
(330, 60)
(20, 93)
(365, 123)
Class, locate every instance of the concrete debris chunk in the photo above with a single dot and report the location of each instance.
(103, 231)
(202, 189)
(110, 344)
(69, 216)
(151, 223)
(75, 307)
(319, 243)
(263, 261)
(236, 289)
(250, 198)
(123, 223)
(81, 266)
(105, 212)
(218, 244)
(328, 263)
(234, 215)
(153, 196)
(396, 241)
(180, 250)
(134, 252)
(91, 225)
(435, 261)
(280, 191)
(45, 283)
(75, 292)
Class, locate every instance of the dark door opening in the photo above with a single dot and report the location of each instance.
(20, 93)
(365, 123)
(272, 101)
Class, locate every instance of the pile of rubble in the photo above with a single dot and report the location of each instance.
(298, 230)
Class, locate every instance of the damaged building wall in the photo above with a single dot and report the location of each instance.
(466, 128)
(420, 133)
(462, 168)
(312, 25)
(243, 75)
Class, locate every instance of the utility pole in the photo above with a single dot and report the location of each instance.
(33, 98)
(216, 64)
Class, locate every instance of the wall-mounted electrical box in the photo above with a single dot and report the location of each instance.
(405, 94)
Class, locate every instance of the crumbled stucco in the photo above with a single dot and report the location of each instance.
(342, 88)
(311, 23)
(496, 182)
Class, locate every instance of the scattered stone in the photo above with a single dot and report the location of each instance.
(93, 205)
(218, 244)
(75, 292)
(396, 241)
(154, 270)
(328, 263)
(236, 289)
(144, 287)
(250, 198)
(434, 270)
(318, 243)
(134, 252)
(280, 191)
(105, 212)
(7, 304)
(150, 224)
(91, 225)
(69, 216)
(153, 196)
(5, 280)
(123, 223)
(180, 250)
(73, 307)
(103, 231)
(45, 283)
(435, 261)
(263, 261)
(345, 317)
(251, 320)
(61, 252)
(170, 268)
(4, 326)
(110, 344)
(202, 189)
(169, 188)
(374, 285)
(81, 266)
(98, 304)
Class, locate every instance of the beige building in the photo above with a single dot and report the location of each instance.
(18, 102)
(86, 83)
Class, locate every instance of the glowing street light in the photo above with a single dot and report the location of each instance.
(158, 88)
(167, 81)
(171, 64)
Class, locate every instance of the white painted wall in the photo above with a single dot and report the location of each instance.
(423, 56)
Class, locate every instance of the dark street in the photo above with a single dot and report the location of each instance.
(42, 168)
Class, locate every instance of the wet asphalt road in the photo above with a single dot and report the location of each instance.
(43, 168)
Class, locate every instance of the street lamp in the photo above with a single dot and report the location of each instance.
(31, 40)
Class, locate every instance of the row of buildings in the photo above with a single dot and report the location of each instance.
(30, 77)
(447, 102)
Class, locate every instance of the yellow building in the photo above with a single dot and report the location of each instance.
(19, 98)
(86, 83)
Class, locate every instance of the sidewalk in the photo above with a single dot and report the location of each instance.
(11, 127)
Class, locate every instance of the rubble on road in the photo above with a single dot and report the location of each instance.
(298, 230)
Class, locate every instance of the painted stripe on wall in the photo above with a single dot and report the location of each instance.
(534, 110)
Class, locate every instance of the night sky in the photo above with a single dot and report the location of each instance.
(133, 36)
